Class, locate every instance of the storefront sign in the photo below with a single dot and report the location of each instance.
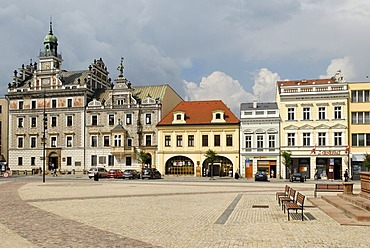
(325, 153)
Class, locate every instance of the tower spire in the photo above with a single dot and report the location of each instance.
(51, 25)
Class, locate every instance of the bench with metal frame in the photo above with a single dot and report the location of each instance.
(282, 193)
(297, 205)
(328, 187)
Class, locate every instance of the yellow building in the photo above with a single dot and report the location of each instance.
(314, 126)
(359, 125)
(189, 131)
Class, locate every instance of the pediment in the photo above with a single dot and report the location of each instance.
(291, 127)
(322, 126)
(307, 127)
(339, 126)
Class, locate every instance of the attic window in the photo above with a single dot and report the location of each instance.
(178, 117)
(218, 116)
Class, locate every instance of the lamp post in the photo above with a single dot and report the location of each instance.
(43, 142)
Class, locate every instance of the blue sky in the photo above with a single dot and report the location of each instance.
(233, 50)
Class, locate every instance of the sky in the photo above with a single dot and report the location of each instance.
(233, 50)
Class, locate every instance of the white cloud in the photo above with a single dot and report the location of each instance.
(218, 85)
(340, 64)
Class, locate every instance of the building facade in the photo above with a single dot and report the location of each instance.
(79, 119)
(314, 126)
(189, 131)
(259, 139)
(359, 125)
(3, 130)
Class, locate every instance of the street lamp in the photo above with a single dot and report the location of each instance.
(43, 141)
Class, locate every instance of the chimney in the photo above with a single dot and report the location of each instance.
(254, 103)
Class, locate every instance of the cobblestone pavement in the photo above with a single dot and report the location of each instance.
(163, 213)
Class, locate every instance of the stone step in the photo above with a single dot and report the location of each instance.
(357, 200)
(335, 213)
(348, 208)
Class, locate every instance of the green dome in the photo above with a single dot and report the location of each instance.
(50, 38)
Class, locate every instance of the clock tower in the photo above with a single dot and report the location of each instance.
(49, 58)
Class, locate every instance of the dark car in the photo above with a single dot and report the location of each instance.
(115, 173)
(297, 177)
(261, 176)
(150, 173)
(131, 174)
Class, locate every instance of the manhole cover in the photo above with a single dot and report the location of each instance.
(260, 206)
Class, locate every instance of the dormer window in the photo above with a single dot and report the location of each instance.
(218, 116)
(179, 117)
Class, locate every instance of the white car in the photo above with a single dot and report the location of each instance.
(102, 172)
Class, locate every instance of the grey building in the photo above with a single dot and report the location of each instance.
(259, 139)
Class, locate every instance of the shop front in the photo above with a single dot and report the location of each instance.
(269, 166)
(329, 168)
(299, 165)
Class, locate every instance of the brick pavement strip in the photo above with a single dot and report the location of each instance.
(45, 229)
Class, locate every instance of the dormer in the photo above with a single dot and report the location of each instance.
(218, 116)
(179, 117)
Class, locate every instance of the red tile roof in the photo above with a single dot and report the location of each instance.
(200, 112)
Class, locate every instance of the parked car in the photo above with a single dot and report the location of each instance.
(102, 172)
(297, 177)
(150, 173)
(261, 176)
(131, 174)
(115, 173)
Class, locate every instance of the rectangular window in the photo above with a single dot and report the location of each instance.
(69, 103)
(354, 118)
(259, 142)
(69, 161)
(33, 161)
(322, 113)
(54, 103)
(94, 120)
(322, 139)
(361, 139)
(69, 120)
(20, 161)
(94, 160)
(20, 122)
(53, 121)
(229, 140)
(337, 138)
(367, 117)
(368, 139)
(128, 161)
(148, 140)
(148, 119)
(33, 121)
(94, 141)
(291, 139)
(33, 142)
(360, 117)
(110, 160)
(20, 142)
(69, 141)
(306, 139)
(366, 93)
(167, 140)
(291, 112)
(111, 120)
(191, 140)
(20, 105)
(306, 114)
(129, 142)
(217, 140)
(248, 142)
(33, 104)
(179, 140)
(106, 141)
(354, 140)
(337, 112)
(117, 140)
(204, 140)
(354, 96)
(271, 141)
(102, 160)
(360, 96)
(53, 141)
(128, 119)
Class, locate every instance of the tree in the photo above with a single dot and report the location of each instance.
(143, 158)
(211, 158)
(366, 162)
(287, 155)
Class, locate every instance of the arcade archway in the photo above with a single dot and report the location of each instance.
(221, 167)
(179, 165)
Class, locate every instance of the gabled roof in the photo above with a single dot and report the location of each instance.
(200, 112)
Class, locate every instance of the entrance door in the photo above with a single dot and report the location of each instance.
(249, 171)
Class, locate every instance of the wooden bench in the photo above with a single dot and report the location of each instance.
(328, 187)
(289, 198)
(297, 205)
(282, 194)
